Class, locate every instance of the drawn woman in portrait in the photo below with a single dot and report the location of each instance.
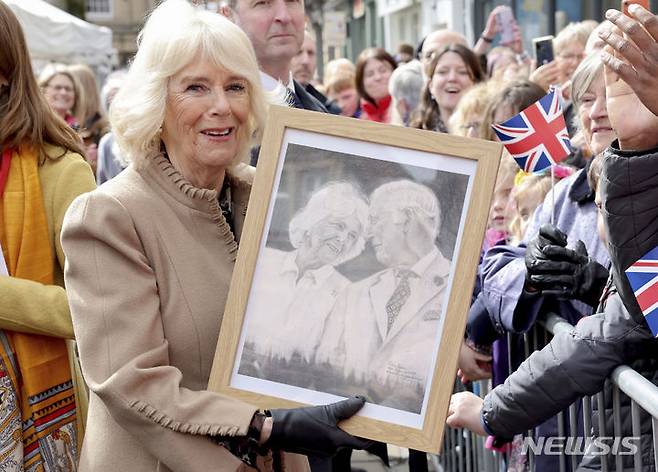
(298, 289)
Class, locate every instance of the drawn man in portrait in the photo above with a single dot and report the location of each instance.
(383, 329)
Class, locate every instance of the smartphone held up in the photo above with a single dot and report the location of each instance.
(543, 47)
(626, 3)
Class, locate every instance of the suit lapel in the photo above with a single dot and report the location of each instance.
(306, 100)
(380, 291)
(431, 283)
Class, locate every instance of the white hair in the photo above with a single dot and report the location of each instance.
(405, 195)
(587, 72)
(175, 34)
(406, 83)
(337, 200)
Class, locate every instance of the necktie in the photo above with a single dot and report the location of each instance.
(294, 100)
(398, 298)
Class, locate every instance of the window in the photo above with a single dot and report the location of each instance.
(98, 9)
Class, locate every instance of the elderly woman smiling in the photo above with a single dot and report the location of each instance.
(151, 256)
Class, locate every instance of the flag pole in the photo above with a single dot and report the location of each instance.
(553, 194)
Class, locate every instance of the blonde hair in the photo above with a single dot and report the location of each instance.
(473, 103)
(90, 102)
(340, 83)
(578, 32)
(53, 70)
(537, 185)
(507, 169)
(338, 67)
(173, 35)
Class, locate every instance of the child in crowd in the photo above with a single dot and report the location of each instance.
(500, 210)
(528, 193)
(467, 117)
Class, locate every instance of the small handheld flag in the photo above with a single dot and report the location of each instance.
(537, 137)
(643, 277)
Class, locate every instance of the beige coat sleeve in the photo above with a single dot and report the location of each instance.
(31, 307)
(124, 354)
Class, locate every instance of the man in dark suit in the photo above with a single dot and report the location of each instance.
(303, 67)
(276, 30)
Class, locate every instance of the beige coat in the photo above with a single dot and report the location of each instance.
(150, 262)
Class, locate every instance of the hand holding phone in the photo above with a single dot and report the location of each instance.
(505, 25)
(543, 47)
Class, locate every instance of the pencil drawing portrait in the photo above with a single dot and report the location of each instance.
(351, 285)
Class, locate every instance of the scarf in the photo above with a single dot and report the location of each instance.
(35, 377)
(379, 112)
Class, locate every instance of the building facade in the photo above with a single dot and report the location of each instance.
(124, 17)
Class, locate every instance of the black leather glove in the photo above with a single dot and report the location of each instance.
(567, 273)
(536, 261)
(314, 430)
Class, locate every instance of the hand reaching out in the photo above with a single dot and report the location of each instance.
(473, 365)
(491, 28)
(631, 74)
(464, 412)
(546, 75)
(517, 43)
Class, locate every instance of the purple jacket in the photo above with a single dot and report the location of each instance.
(503, 270)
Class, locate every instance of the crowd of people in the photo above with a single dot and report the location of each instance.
(121, 358)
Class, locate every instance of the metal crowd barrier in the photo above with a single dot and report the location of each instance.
(465, 452)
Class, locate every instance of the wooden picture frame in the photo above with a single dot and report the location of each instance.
(316, 344)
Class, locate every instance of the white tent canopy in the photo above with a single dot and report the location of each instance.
(56, 36)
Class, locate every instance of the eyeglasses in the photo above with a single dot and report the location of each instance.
(572, 56)
(60, 88)
(474, 125)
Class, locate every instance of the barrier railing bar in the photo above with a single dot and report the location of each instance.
(461, 449)
(654, 427)
(635, 422)
(600, 400)
(587, 416)
(469, 452)
(616, 421)
(628, 380)
(561, 433)
(573, 433)
(637, 387)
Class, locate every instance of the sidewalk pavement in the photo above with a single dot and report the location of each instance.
(369, 463)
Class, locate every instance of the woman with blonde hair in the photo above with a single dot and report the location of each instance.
(63, 92)
(93, 122)
(41, 172)
(147, 307)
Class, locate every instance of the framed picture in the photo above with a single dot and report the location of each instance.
(355, 272)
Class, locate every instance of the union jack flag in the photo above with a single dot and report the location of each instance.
(537, 137)
(643, 277)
